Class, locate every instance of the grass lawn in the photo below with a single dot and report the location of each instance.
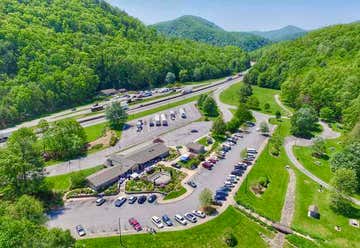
(175, 194)
(95, 131)
(63, 182)
(264, 95)
(203, 141)
(320, 167)
(206, 235)
(307, 194)
(270, 203)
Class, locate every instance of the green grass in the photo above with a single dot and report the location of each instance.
(300, 242)
(307, 193)
(230, 96)
(62, 183)
(203, 141)
(270, 203)
(320, 167)
(94, 132)
(175, 194)
(206, 235)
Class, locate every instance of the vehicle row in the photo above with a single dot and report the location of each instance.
(131, 200)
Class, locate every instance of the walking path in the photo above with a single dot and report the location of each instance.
(292, 141)
(279, 102)
(288, 209)
(224, 108)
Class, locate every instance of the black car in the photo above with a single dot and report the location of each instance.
(239, 167)
(220, 192)
(224, 188)
(176, 165)
(220, 198)
(194, 131)
(152, 198)
(237, 173)
(217, 203)
(142, 199)
(192, 184)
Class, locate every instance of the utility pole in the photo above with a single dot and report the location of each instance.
(120, 232)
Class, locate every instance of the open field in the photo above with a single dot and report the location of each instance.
(209, 234)
(320, 167)
(63, 182)
(264, 95)
(268, 204)
(307, 193)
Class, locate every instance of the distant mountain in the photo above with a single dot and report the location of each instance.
(200, 29)
(285, 33)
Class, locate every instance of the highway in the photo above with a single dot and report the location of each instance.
(100, 118)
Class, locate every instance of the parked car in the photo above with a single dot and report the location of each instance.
(100, 201)
(190, 217)
(233, 177)
(80, 230)
(225, 188)
(239, 167)
(199, 214)
(194, 131)
(207, 165)
(157, 222)
(152, 198)
(176, 165)
(167, 220)
(217, 203)
(120, 201)
(220, 198)
(213, 160)
(141, 199)
(135, 224)
(228, 184)
(132, 199)
(219, 192)
(192, 184)
(237, 173)
(180, 219)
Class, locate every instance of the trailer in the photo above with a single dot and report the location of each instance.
(186, 90)
(172, 115)
(157, 120)
(182, 113)
(163, 120)
(96, 107)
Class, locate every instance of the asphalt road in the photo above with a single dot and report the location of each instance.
(129, 138)
(104, 219)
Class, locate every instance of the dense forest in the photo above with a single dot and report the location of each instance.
(56, 54)
(321, 69)
(199, 29)
(282, 34)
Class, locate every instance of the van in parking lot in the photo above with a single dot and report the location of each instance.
(251, 150)
(157, 222)
(180, 219)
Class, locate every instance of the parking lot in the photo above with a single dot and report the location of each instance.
(105, 219)
(131, 136)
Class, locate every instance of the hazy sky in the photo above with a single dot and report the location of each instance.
(237, 15)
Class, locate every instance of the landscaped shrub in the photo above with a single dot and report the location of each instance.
(77, 180)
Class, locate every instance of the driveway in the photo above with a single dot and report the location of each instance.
(104, 220)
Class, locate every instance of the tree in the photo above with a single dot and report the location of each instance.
(276, 143)
(21, 164)
(65, 139)
(266, 106)
(278, 115)
(219, 127)
(253, 102)
(184, 75)
(206, 198)
(244, 92)
(327, 114)
(345, 181)
(170, 78)
(27, 207)
(348, 158)
(229, 238)
(116, 115)
(264, 127)
(233, 125)
(209, 107)
(243, 114)
(319, 148)
(201, 100)
(303, 122)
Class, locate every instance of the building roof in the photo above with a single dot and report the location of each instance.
(195, 146)
(148, 153)
(109, 91)
(104, 176)
(313, 208)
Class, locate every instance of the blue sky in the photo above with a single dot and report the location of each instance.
(244, 15)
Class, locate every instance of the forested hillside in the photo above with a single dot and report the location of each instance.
(56, 54)
(282, 34)
(199, 29)
(321, 69)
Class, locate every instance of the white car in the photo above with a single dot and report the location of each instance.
(180, 219)
(190, 217)
(199, 213)
(157, 222)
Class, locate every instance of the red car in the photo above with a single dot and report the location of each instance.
(212, 160)
(207, 165)
(135, 224)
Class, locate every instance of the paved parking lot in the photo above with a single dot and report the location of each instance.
(131, 136)
(104, 219)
